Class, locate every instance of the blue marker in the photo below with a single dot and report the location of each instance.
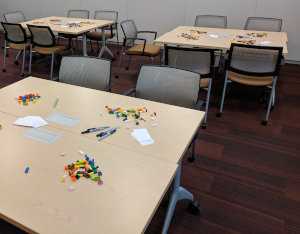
(27, 169)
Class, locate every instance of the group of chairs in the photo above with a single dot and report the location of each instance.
(186, 70)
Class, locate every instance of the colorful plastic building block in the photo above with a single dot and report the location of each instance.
(100, 182)
(71, 187)
(27, 169)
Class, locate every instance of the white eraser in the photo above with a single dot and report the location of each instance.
(128, 127)
(71, 187)
(152, 118)
(64, 176)
(154, 125)
(128, 120)
(81, 152)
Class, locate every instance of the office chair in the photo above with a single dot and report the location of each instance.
(16, 18)
(202, 61)
(97, 36)
(130, 32)
(89, 72)
(81, 14)
(44, 41)
(211, 21)
(1, 43)
(263, 24)
(174, 86)
(254, 66)
(18, 40)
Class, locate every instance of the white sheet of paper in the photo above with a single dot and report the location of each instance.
(25, 122)
(142, 135)
(213, 36)
(64, 26)
(142, 143)
(265, 42)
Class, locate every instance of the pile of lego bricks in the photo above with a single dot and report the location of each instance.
(27, 98)
(84, 168)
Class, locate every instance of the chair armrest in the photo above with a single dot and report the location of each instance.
(108, 87)
(155, 33)
(130, 91)
(136, 38)
(198, 105)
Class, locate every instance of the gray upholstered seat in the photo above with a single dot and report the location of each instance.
(263, 24)
(169, 85)
(89, 72)
(254, 66)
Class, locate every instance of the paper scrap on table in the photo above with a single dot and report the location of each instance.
(265, 42)
(142, 136)
(213, 36)
(31, 121)
(64, 26)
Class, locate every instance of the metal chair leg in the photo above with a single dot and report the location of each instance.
(227, 89)
(24, 51)
(207, 103)
(223, 94)
(152, 60)
(16, 61)
(118, 41)
(128, 63)
(47, 65)
(52, 60)
(117, 76)
(30, 53)
(264, 122)
(91, 46)
(98, 51)
(4, 70)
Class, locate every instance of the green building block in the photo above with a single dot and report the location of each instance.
(95, 171)
(111, 112)
(92, 166)
(124, 115)
(92, 177)
(97, 178)
(25, 103)
(72, 164)
(132, 111)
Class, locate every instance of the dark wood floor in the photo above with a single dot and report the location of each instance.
(246, 176)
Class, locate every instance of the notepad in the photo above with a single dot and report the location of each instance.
(31, 121)
(142, 136)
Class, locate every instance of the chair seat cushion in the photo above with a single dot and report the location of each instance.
(250, 80)
(150, 50)
(204, 82)
(19, 46)
(48, 50)
(97, 36)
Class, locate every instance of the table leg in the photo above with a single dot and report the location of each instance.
(84, 44)
(178, 193)
(104, 48)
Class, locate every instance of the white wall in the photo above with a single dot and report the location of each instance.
(164, 15)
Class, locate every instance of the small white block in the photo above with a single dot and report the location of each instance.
(128, 127)
(128, 120)
(98, 169)
(65, 176)
(71, 187)
(154, 125)
(81, 152)
(152, 118)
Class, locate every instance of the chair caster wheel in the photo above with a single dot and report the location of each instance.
(126, 68)
(191, 159)
(272, 107)
(117, 52)
(117, 76)
(7, 55)
(16, 62)
(204, 126)
(219, 114)
(264, 122)
(4, 70)
(22, 74)
(47, 65)
(194, 206)
(113, 59)
(92, 50)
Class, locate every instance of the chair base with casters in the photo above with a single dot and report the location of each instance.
(268, 82)
(97, 36)
(150, 51)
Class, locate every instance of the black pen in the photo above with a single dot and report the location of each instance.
(94, 129)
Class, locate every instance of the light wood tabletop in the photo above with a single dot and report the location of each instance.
(175, 128)
(39, 202)
(62, 27)
(278, 39)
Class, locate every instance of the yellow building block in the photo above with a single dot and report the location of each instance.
(80, 175)
(91, 173)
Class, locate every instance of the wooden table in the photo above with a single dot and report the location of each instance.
(173, 134)
(94, 24)
(39, 202)
(277, 38)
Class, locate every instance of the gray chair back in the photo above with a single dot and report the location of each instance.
(107, 15)
(14, 33)
(263, 24)
(254, 60)
(168, 85)
(15, 17)
(89, 72)
(82, 14)
(130, 30)
(41, 35)
(192, 59)
(211, 21)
